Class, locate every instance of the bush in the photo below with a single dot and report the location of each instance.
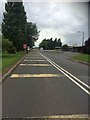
(8, 46)
(11, 50)
(65, 47)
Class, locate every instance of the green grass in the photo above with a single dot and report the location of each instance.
(8, 60)
(82, 57)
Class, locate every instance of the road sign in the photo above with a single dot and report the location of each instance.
(24, 46)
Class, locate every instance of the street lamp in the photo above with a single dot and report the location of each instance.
(82, 38)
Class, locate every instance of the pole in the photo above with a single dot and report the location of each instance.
(82, 37)
(83, 40)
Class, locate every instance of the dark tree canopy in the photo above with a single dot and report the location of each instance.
(49, 44)
(32, 33)
(65, 47)
(13, 25)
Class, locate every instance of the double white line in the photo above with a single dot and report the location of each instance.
(79, 83)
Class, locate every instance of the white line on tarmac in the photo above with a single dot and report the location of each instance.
(69, 75)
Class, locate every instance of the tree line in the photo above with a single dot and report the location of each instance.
(50, 44)
(16, 31)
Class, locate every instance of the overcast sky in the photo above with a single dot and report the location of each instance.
(58, 20)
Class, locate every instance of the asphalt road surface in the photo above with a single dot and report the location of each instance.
(46, 84)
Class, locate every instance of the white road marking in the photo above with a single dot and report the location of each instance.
(35, 60)
(69, 75)
(35, 65)
(35, 75)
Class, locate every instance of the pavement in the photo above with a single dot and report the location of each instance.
(46, 84)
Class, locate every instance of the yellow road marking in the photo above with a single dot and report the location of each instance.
(34, 60)
(35, 75)
(70, 117)
(35, 57)
(35, 65)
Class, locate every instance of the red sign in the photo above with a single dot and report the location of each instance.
(24, 46)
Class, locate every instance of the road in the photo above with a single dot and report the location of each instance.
(46, 84)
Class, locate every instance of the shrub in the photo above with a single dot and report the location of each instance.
(8, 46)
(11, 50)
(65, 47)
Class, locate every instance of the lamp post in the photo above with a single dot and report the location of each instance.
(82, 37)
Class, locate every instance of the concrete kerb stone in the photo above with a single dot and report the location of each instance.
(12, 69)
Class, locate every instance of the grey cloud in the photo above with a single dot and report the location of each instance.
(62, 18)
(59, 19)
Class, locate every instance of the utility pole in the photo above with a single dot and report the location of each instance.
(82, 37)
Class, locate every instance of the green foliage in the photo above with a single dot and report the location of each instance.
(44, 44)
(8, 46)
(11, 50)
(13, 25)
(16, 28)
(49, 44)
(65, 47)
(32, 33)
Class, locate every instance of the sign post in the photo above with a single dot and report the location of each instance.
(24, 46)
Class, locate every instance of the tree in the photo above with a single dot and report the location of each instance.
(13, 25)
(32, 33)
(65, 47)
(55, 42)
(44, 44)
(86, 48)
(50, 44)
(59, 43)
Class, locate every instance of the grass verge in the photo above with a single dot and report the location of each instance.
(82, 57)
(9, 60)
